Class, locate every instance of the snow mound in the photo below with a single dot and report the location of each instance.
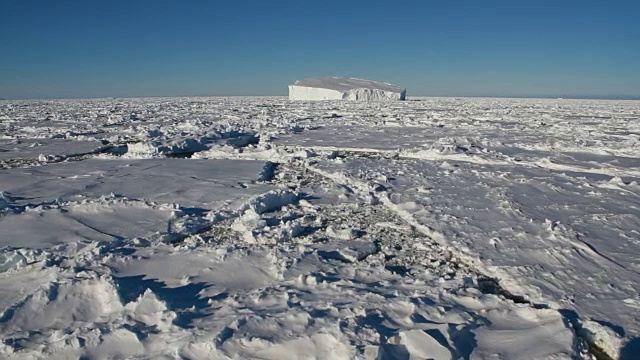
(338, 88)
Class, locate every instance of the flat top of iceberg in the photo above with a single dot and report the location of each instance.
(346, 84)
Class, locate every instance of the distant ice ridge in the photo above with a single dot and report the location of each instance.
(338, 88)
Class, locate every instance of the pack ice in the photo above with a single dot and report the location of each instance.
(340, 88)
(261, 228)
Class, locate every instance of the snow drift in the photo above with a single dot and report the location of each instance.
(337, 88)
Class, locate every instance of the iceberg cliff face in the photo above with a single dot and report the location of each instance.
(336, 88)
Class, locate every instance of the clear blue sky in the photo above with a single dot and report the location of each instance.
(68, 49)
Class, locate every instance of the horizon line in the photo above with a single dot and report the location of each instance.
(548, 97)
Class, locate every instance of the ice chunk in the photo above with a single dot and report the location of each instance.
(337, 88)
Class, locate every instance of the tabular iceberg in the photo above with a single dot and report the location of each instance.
(338, 88)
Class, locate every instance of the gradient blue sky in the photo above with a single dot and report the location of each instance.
(70, 49)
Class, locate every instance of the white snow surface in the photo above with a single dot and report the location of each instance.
(236, 228)
(340, 88)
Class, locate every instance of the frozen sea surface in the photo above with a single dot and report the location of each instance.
(230, 228)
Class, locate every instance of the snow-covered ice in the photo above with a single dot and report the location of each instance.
(232, 228)
(201, 184)
(340, 88)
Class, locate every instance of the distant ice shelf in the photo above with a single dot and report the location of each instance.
(339, 88)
